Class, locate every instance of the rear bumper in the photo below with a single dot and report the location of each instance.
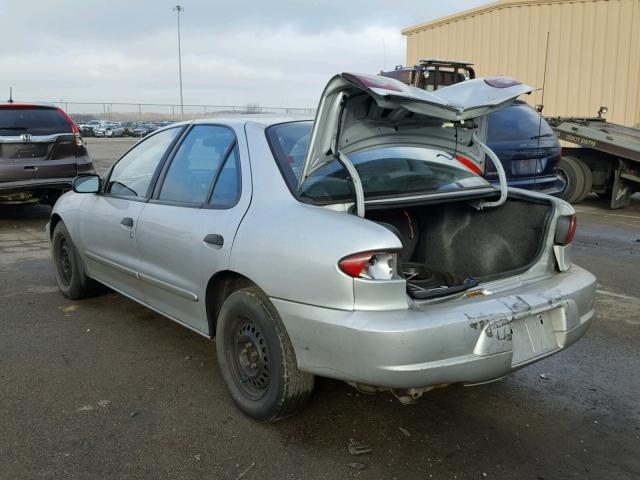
(53, 182)
(551, 184)
(36, 184)
(467, 341)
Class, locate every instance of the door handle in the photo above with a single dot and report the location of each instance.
(127, 222)
(214, 239)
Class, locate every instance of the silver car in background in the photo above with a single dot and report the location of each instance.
(109, 129)
(360, 246)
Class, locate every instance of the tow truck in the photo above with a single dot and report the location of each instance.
(431, 74)
(605, 159)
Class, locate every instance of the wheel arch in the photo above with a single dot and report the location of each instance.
(55, 219)
(219, 287)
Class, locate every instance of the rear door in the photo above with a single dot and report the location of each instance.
(35, 142)
(186, 231)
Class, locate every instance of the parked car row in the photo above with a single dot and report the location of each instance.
(104, 128)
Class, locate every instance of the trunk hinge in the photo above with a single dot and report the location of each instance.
(357, 183)
(351, 169)
(501, 176)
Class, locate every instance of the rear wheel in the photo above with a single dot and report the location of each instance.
(69, 267)
(574, 176)
(257, 359)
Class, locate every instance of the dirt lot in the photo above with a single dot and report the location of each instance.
(104, 388)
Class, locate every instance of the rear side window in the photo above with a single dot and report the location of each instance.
(32, 120)
(227, 188)
(132, 175)
(202, 157)
(515, 123)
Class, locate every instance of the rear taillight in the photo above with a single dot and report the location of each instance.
(72, 124)
(370, 265)
(565, 230)
(74, 127)
(469, 164)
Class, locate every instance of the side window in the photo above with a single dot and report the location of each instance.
(227, 188)
(132, 174)
(196, 164)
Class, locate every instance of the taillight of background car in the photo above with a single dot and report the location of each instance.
(74, 127)
(565, 230)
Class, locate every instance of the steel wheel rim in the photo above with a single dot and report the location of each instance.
(248, 357)
(65, 267)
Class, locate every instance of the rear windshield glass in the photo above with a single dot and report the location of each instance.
(35, 121)
(384, 172)
(515, 123)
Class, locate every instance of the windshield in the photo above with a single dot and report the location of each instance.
(384, 171)
(32, 120)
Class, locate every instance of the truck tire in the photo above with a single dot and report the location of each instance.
(257, 360)
(574, 176)
(588, 178)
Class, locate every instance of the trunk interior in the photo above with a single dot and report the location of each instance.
(450, 247)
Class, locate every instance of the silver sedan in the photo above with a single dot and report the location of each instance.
(361, 246)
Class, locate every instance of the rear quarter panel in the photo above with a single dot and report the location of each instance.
(291, 249)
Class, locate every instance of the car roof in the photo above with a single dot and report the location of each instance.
(27, 105)
(261, 119)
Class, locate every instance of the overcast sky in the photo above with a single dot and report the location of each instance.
(270, 52)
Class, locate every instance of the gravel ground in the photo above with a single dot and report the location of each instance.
(104, 388)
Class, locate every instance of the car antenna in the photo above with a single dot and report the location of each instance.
(10, 95)
(539, 109)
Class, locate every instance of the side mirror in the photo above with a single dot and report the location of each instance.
(539, 108)
(86, 184)
(602, 111)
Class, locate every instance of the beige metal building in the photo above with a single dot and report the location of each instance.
(593, 55)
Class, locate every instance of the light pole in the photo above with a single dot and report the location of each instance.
(179, 9)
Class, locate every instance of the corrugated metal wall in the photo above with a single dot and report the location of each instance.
(593, 60)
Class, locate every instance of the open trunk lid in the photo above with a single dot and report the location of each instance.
(359, 111)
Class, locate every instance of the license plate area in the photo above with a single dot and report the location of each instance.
(533, 336)
(526, 167)
(28, 151)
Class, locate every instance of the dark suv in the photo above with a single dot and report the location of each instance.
(527, 148)
(41, 152)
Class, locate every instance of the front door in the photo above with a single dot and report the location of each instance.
(109, 220)
(186, 231)
(108, 233)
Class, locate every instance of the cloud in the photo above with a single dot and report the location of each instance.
(276, 53)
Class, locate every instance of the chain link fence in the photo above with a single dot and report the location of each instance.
(155, 112)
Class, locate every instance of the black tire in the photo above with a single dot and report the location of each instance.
(69, 268)
(257, 359)
(588, 178)
(574, 175)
